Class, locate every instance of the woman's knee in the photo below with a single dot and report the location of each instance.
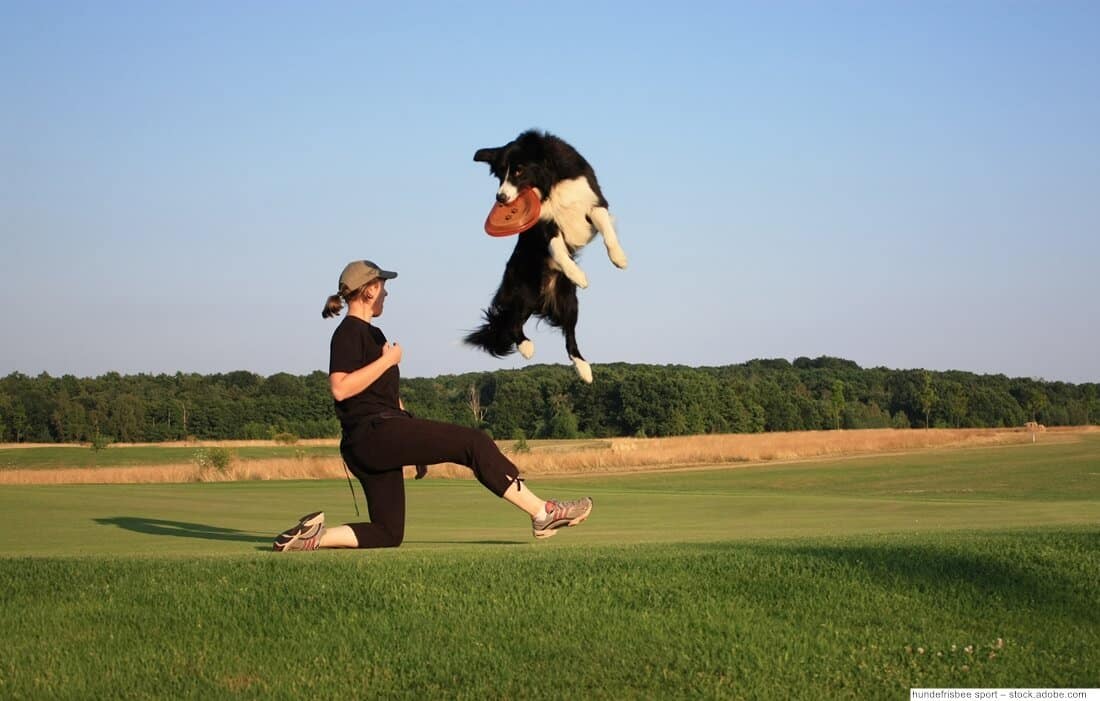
(481, 443)
(396, 536)
(391, 528)
(372, 534)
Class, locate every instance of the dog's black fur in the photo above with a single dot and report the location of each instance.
(541, 279)
(528, 288)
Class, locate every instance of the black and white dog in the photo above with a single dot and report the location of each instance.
(541, 277)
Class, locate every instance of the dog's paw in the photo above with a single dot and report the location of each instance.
(583, 369)
(526, 349)
(578, 278)
(617, 256)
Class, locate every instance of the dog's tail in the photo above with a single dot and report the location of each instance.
(494, 336)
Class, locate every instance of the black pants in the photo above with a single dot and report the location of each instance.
(376, 450)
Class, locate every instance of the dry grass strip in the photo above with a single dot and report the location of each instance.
(588, 457)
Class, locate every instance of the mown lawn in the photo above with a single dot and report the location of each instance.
(842, 579)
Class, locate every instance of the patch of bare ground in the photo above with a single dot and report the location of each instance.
(616, 455)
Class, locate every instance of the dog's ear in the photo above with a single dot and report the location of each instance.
(486, 155)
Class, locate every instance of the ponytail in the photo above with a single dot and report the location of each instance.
(332, 306)
(336, 302)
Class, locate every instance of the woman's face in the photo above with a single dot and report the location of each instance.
(378, 292)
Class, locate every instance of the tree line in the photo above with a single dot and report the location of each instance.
(543, 401)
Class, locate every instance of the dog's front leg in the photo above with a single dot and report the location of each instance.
(601, 219)
(560, 253)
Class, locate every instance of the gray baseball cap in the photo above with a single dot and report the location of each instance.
(359, 272)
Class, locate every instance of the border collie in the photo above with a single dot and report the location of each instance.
(541, 278)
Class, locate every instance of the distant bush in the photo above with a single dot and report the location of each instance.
(520, 438)
(99, 442)
(285, 438)
(213, 458)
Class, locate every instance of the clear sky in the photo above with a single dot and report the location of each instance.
(905, 184)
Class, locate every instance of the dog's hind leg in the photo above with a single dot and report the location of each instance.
(584, 370)
(563, 313)
(524, 345)
(602, 220)
(560, 253)
(503, 328)
(518, 315)
(525, 304)
(526, 348)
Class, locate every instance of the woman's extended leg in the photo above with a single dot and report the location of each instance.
(395, 442)
(392, 443)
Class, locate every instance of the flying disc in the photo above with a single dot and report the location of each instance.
(517, 216)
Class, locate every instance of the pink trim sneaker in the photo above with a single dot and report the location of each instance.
(305, 536)
(561, 514)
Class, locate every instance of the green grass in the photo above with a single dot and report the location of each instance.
(842, 579)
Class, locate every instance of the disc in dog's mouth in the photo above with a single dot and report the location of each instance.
(517, 216)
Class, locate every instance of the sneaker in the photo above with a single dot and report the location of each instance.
(560, 514)
(305, 536)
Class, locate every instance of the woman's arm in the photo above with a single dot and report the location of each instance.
(349, 384)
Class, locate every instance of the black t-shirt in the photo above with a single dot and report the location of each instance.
(355, 343)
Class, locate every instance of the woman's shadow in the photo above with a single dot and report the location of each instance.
(181, 529)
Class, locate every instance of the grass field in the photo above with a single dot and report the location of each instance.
(854, 578)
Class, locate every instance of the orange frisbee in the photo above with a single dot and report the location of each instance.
(517, 216)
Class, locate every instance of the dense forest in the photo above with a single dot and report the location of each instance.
(543, 401)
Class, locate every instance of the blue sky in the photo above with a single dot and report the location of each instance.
(905, 184)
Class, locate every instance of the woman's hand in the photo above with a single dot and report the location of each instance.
(349, 384)
(391, 353)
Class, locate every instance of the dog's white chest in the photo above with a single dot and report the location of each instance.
(568, 205)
